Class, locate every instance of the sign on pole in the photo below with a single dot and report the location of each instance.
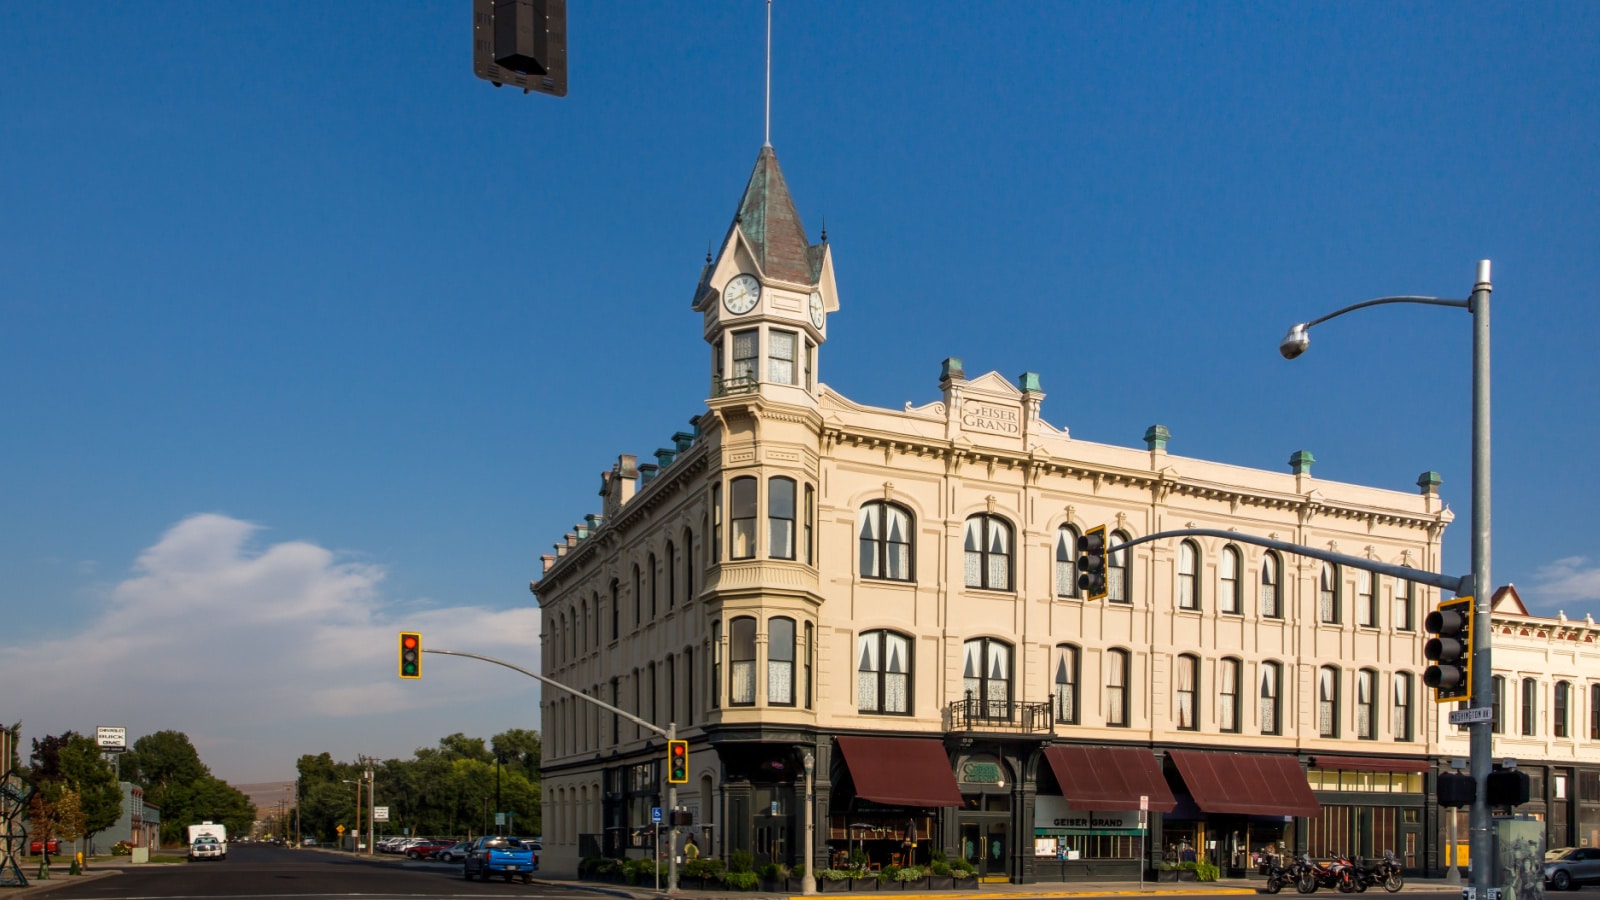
(1144, 802)
(499, 818)
(380, 814)
(655, 815)
(111, 738)
(1468, 716)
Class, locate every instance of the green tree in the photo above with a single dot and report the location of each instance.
(72, 762)
(175, 780)
(522, 747)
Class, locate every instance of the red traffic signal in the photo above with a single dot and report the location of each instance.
(678, 762)
(410, 654)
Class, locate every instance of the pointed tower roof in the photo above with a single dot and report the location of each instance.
(771, 225)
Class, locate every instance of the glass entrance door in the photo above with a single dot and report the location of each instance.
(986, 843)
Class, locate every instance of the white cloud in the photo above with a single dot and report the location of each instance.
(1570, 580)
(261, 654)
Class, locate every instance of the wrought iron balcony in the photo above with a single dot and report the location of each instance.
(1002, 716)
(738, 384)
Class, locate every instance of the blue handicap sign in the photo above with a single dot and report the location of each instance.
(655, 815)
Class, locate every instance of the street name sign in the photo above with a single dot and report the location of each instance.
(1468, 716)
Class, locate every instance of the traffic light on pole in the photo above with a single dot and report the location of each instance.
(410, 654)
(1092, 563)
(1450, 676)
(678, 762)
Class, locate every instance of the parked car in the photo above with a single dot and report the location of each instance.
(500, 855)
(37, 847)
(426, 849)
(454, 852)
(308, 842)
(1569, 868)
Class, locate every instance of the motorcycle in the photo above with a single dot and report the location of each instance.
(1385, 872)
(1310, 875)
(1277, 875)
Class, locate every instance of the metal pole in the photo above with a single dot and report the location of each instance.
(1482, 747)
(671, 812)
(1452, 873)
(372, 812)
(808, 882)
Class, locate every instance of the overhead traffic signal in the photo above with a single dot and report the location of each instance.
(678, 762)
(410, 654)
(1092, 563)
(1450, 676)
(522, 43)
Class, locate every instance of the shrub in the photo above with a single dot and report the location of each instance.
(939, 867)
(962, 869)
(858, 859)
(702, 868)
(774, 870)
(1206, 872)
(890, 873)
(833, 874)
(640, 871)
(910, 873)
(122, 848)
(741, 861)
(937, 855)
(742, 881)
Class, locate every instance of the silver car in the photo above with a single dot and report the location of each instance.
(1568, 869)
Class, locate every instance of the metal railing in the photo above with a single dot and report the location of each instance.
(738, 384)
(1012, 716)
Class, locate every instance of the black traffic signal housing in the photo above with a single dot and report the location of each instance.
(1456, 789)
(1507, 787)
(1450, 649)
(678, 762)
(1092, 563)
(410, 654)
(522, 43)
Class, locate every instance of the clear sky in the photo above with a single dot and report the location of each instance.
(307, 335)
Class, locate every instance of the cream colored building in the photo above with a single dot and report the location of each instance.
(893, 591)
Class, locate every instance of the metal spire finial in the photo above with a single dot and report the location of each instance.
(767, 141)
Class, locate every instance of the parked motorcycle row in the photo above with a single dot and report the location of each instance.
(1340, 873)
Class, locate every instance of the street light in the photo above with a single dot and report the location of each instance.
(1480, 838)
(808, 884)
(357, 829)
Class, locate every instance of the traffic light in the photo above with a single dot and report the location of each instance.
(1092, 563)
(1456, 789)
(522, 43)
(1450, 676)
(1508, 787)
(410, 654)
(678, 762)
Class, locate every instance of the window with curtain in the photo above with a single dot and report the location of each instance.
(1230, 599)
(1271, 586)
(986, 678)
(638, 597)
(1404, 613)
(1559, 710)
(1328, 702)
(988, 553)
(780, 662)
(742, 661)
(653, 584)
(1400, 725)
(781, 357)
(808, 653)
(688, 565)
(883, 673)
(672, 575)
(1188, 575)
(1367, 705)
(1118, 668)
(1229, 677)
(742, 492)
(716, 523)
(1271, 698)
(1328, 595)
(716, 665)
(1530, 697)
(780, 518)
(1066, 677)
(808, 538)
(616, 618)
(746, 347)
(1118, 586)
(1498, 682)
(1187, 683)
(1366, 598)
(1594, 712)
(1066, 561)
(884, 531)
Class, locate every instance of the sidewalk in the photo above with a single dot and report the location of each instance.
(1235, 887)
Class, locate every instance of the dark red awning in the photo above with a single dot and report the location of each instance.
(1109, 778)
(1370, 764)
(900, 771)
(1252, 784)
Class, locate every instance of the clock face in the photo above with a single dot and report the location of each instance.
(741, 294)
(816, 310)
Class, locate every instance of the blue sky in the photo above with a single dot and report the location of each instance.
(307, 334)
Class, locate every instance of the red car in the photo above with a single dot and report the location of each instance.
(427, 849)
(37, 847)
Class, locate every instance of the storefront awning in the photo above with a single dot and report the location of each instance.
(1250, 784)
(1369, 764)
(1108, 778)
(900, 771)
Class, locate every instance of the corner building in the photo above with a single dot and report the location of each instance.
(893, 592)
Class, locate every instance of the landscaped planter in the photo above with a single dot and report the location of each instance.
(830, 886)
(869, 883)
(941, 882)
(967, 883)
(1166, 875)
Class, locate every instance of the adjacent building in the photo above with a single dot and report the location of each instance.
(892, 593)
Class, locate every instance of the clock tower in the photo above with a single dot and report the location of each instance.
(766, 296)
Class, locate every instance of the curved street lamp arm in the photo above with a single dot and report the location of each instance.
(1426, 301)
(558, 685)
(1459, 585)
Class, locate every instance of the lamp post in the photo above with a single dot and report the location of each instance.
(808, 884)
(1480, 838)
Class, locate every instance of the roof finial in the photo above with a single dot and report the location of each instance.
(767, 141)
(708, 253)
(824, 229)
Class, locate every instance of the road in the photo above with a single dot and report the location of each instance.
(263, 872)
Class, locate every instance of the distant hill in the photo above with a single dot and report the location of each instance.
(268, 795)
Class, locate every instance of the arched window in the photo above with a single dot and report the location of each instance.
(1271, 588)
(1530, 708)
(716, 523)
(1229, 677)
(596, 619)
(1187, 684)
(1401, 725)
(1119, 588)
(653, 583)
(1328, 595)
(1367, 586)
(742, 661)
(688, 565)
(1067, 669)
(743, 493)
(650, 692)
(986, 679)
(808, 654)
(672, 575)
(1066, 561)
(638, 597)
(1188, 575)
(1498, 682)
(1271, 698)
(1328, 702)
(780, 662)
(780, 518)
(884, 531)
(808, 538)
(988, 549)
(688, 685)
(883, 673)
(1558, 718)
(716, 665)
(1119, 667)
(1404, 617)
(1594, 712)
(616, 623)
(1367, 705)
(1230, 598)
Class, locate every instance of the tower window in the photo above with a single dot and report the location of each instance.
(746, 347)
(743, 495)
(781, 357)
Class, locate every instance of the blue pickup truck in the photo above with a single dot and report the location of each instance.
(499, 855)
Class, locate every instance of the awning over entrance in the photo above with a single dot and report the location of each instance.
(900, 771)
(1249, 784)
(1108, 778)
(1369, 764)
